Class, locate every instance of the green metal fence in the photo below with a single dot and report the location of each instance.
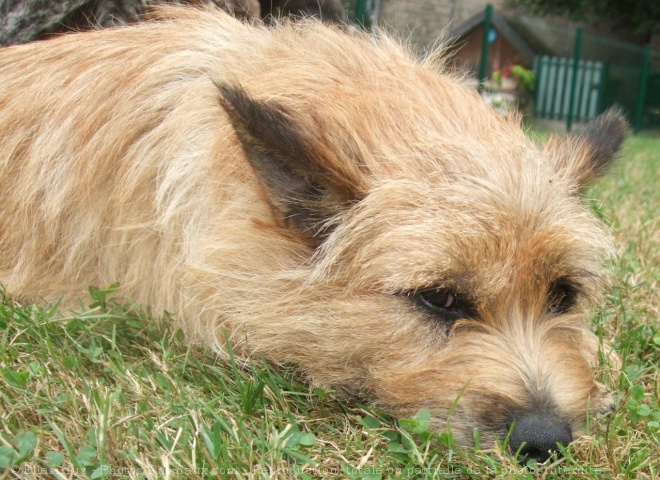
(629, 74)
(361, 12)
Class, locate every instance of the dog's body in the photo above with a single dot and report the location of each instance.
(321, 197)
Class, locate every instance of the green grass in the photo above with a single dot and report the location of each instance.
(111, 394)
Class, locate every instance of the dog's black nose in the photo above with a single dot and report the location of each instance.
(540, 435)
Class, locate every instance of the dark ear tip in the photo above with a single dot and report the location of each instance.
(231, 96)
(605, 135)
(615, 116)
(224, 88)
(608, 129)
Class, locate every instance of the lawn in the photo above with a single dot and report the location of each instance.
(111, 394)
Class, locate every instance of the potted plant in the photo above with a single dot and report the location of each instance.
(508, 78)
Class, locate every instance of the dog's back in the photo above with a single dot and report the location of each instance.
(116, 151)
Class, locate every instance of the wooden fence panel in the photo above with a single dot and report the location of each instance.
(553, 83)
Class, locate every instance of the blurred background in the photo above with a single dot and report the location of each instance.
(559, 62)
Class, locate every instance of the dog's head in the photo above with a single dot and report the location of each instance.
(451, 264)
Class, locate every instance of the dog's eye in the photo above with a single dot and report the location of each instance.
(445, 303)
(561, 297)
(438, 298)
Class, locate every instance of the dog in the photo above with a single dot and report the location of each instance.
(321, 198)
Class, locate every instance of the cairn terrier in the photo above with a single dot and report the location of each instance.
(323, 198)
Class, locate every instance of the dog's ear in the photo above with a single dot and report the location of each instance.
(293, 162)
(583, 157)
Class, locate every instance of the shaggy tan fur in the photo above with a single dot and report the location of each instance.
(304, 189)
